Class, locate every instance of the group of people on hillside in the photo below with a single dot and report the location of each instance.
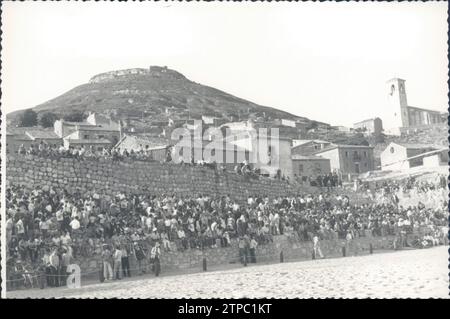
(87, 152)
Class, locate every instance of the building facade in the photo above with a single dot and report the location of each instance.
(30, 136)
(310, 166)
(371, 126)
(401, 156)
(97, 130)
(349, 160)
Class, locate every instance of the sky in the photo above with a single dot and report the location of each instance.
(325, 61)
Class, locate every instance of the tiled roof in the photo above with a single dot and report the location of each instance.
(98, 128)
(42, 134)
(22, 137)
(415, 146)
(303, 142)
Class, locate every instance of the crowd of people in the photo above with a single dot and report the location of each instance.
(55, 151)
(47, 228)
(328, 181)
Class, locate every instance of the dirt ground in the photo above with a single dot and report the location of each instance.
(410, 273)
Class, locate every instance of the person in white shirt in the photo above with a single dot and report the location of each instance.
(117, 263)
(155, 253)
(316, 247)
(65, 238)
(348, 242)
(75, 224)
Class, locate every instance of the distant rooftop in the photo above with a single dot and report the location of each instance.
(42, 134)
(310, 157)
(416, 146)
(89, 141)
(334, 146)
(371, 119)
(303, 142)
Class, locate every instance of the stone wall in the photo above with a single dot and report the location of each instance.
(192, 260)
(135, 176)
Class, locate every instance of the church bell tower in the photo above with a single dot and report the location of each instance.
(398, 102)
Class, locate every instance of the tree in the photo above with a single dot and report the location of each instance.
(47, 119)
(28, 118)
(76, 116)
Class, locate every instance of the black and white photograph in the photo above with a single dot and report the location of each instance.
(176, 150)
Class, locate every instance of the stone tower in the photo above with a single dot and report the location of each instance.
(399, 105)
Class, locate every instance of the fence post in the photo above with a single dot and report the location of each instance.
(371, 248)
(42, 279)
(245, 260)
(313, 254)
(281, 257)
(343, 251)
(204, 264)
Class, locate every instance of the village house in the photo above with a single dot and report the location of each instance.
(310, 166)
(226, 154)
(371, 126)
(15, 139)
(157, 147)
(401, 156)
(261, 147)
(436, 159)
(28, 137)
(97, 131)
(348, 160)
(308, 147)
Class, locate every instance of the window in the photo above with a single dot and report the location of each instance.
(346, 154)
(86, 137)
(99, 148)
(392, 149)
(365, 153)
(213, 152)
(392, 89)
(300, 168)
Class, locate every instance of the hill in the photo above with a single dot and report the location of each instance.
(153, 94)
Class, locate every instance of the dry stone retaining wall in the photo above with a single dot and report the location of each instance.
(135, 176)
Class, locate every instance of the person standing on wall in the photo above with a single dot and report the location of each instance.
(54, 267)
(140, 256)
(253, 245)
(66, 260)
(155, 255)
(106, 258)
(316, 246)
(125, 261)
(118, 263)
(242, 252)
(349, 242)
